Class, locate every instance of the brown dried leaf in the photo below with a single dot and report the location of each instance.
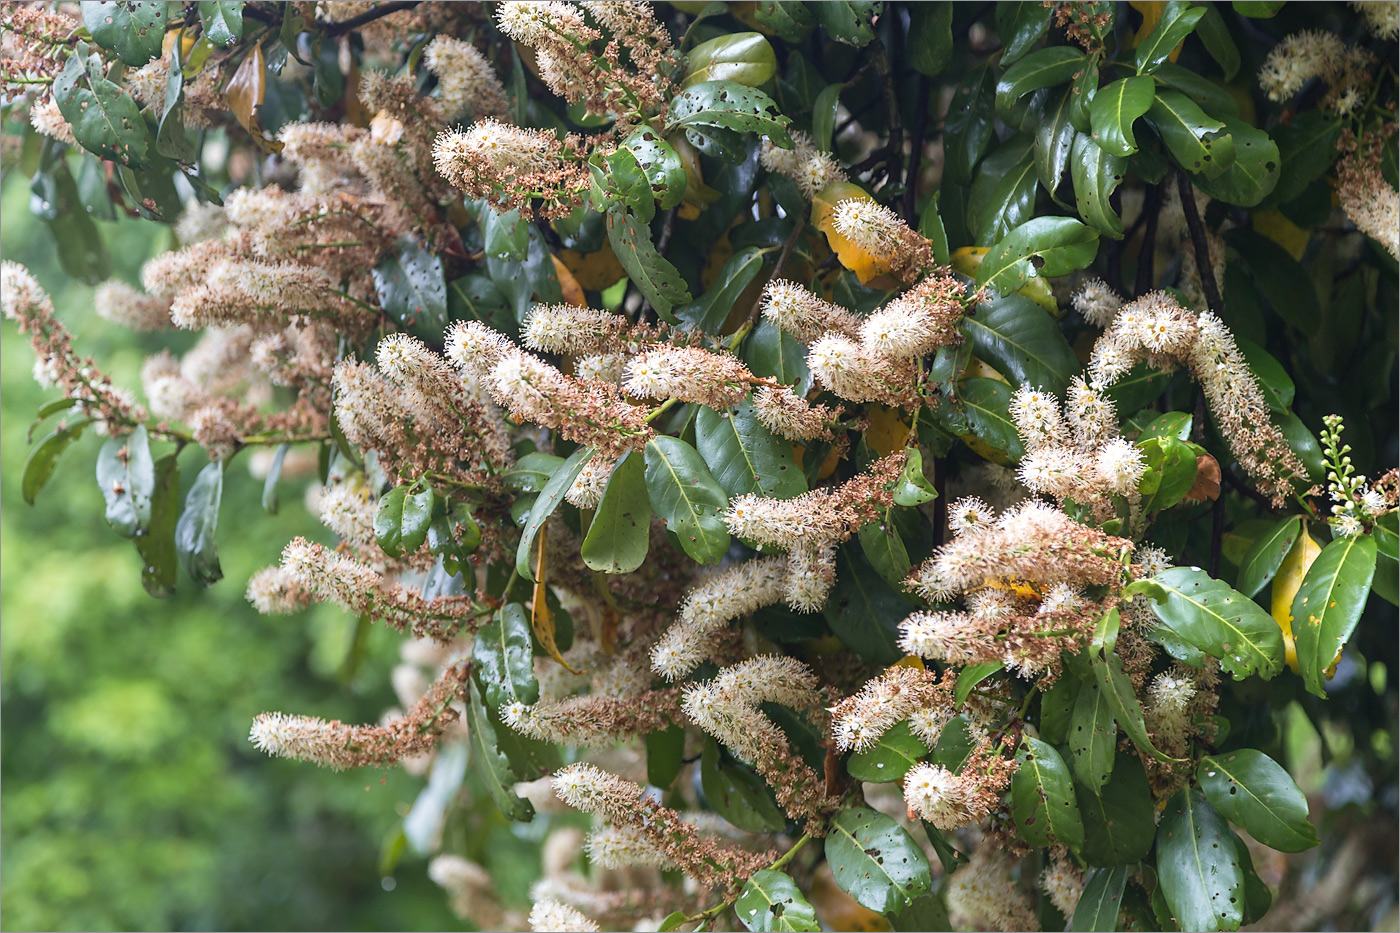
(245, 94)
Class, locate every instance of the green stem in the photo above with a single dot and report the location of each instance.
(705, 916)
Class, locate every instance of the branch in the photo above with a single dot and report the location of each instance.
(1199, 244)
(916, 148)
(369, 16)
(1147, 256)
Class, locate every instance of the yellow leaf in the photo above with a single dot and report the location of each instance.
(541, 618)
(594, 271)
(1282, 231)
(385, 129)
(838, 910)
(573, 292)
(909, 660)
(1151, 12)
(698, 195)
(719, 254)
(966, 260)
(859, 260)
(1286, 584)
(245, 94)
(977, 369)
(888, 431)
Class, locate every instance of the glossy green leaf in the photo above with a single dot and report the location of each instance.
(402, 519)
(884, 547)
(1207, 614)
(971, 118)
(489, 763)
(1252, 790)
(1098, 905)
(104, 117)
(824, 115)
(126, 476)
(1387, 540)
(531, 472)
(1119, 822)
(665, 755)
(661, 164)
(742, 57)
(1057, 708)
(1215, 36)
(1328, 605)
(1197, 142)
(618, 538)
(790, 19)
(972, 675)
(677, 918)
(197, 529)
(157, 546)
(1042, 246)
(1170, 474)
(1307, 147)
(954, 745)
(1054, 140)
(1171, 424)
(770, 351)
(875, 860)
(731, 106)
(172, 140)
(1267, 554)
(1020, 26)
(1042, 797)
(987, 404)
(1081, 97)
(1258, 9)
(771, 901)
(912, 487)
(864, 611)
(656, 278)
(42, 460)
(1214, 99)
(624, 183)
(1254, 172)
(549, 498)
(930, 42)
(890, 758)
(1114, 110)
(1022, 341)
(1093, 735)
(412, 290)
(708, 312)
(1178, 20)
(1003, 196)
(925, 913)
(1197, 866)
(223, 21)
(1257, 896)
(134, 29)
(503, 659)
(737, 793)
(687, 497)
(1108, 676)
(849, 22)
(1096, 175)
(1045, 68)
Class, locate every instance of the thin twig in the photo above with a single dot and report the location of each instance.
(1198, 243)
(1147, 256)
(916, 148)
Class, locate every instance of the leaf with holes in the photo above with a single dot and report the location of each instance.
(1093, 734)
(1197, 142)
(412, 290)
(875, 860)
(1197, 865)
(1328, 605)
(134, 29)
(1252, 790)
(1253, 174)
(1042, 797)
(1114, 110)
(729, 106)
(1054, 140)
(771, 902)
(661, 164)
(848, 21)
(1119, 822)
(890, 758)
(1042, 246)
(1096, 175)
(223, 21)
(126, 476)
(104, 118)
(503, 660)
(1211, 617)
(618, 537)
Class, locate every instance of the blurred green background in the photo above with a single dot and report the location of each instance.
(132, 797)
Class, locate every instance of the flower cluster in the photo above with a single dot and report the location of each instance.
(1313, 53)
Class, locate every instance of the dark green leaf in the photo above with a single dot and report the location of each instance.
(1108, 676)
(1045, 68)
(1267, 554)
(954, 745)
(627, 184)
(1178, 20)
(924, 913)
(490, 764)
(1328, 605)
(742, 57)
(1254, 172)
(1216, 37)
(1252, 790)
(1214, 99)
(875, 860)
(1020, 26)
(1042, 797)
(771, 901)
(1197, 865)
(790, 19)
(157, 545)
(1042, 246)
(134, 29)
(476, 298)
(1096, 175)
(507, 236)
(1171, 472)
(770, 351)
(412, 290)
(884, 548)
(1114, 110)
(913, 488)
(618, 537)
(1054, 140)
(665, 755)
(657, 279)
(172, 141)
(687, 497)
(744, 456)
(550, 497)
(824, 115)
(1081, 96)
(126, 476)
(1022, 341)
(1003, 195)
(1257, 896)
(1172, 424)
(223, 21)
(847, 21)
(104, 118)
(503, 660)
(890, 758)
(972, 675)
(1118, 821)
(737, 793)
(971, 118)
(731, 106)
(1211, 617)
(1098, 905)
(1307, 147)
(274, 473)
(930, 42)
(196, 531)
(44, 458)
(1093, 735)
(708, 312)
(1056, 709)
(987, 403)
(531, 472)
(1281, 278)
(863, 611)
(1198, 143)
(1258, 9)
(661, 165)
